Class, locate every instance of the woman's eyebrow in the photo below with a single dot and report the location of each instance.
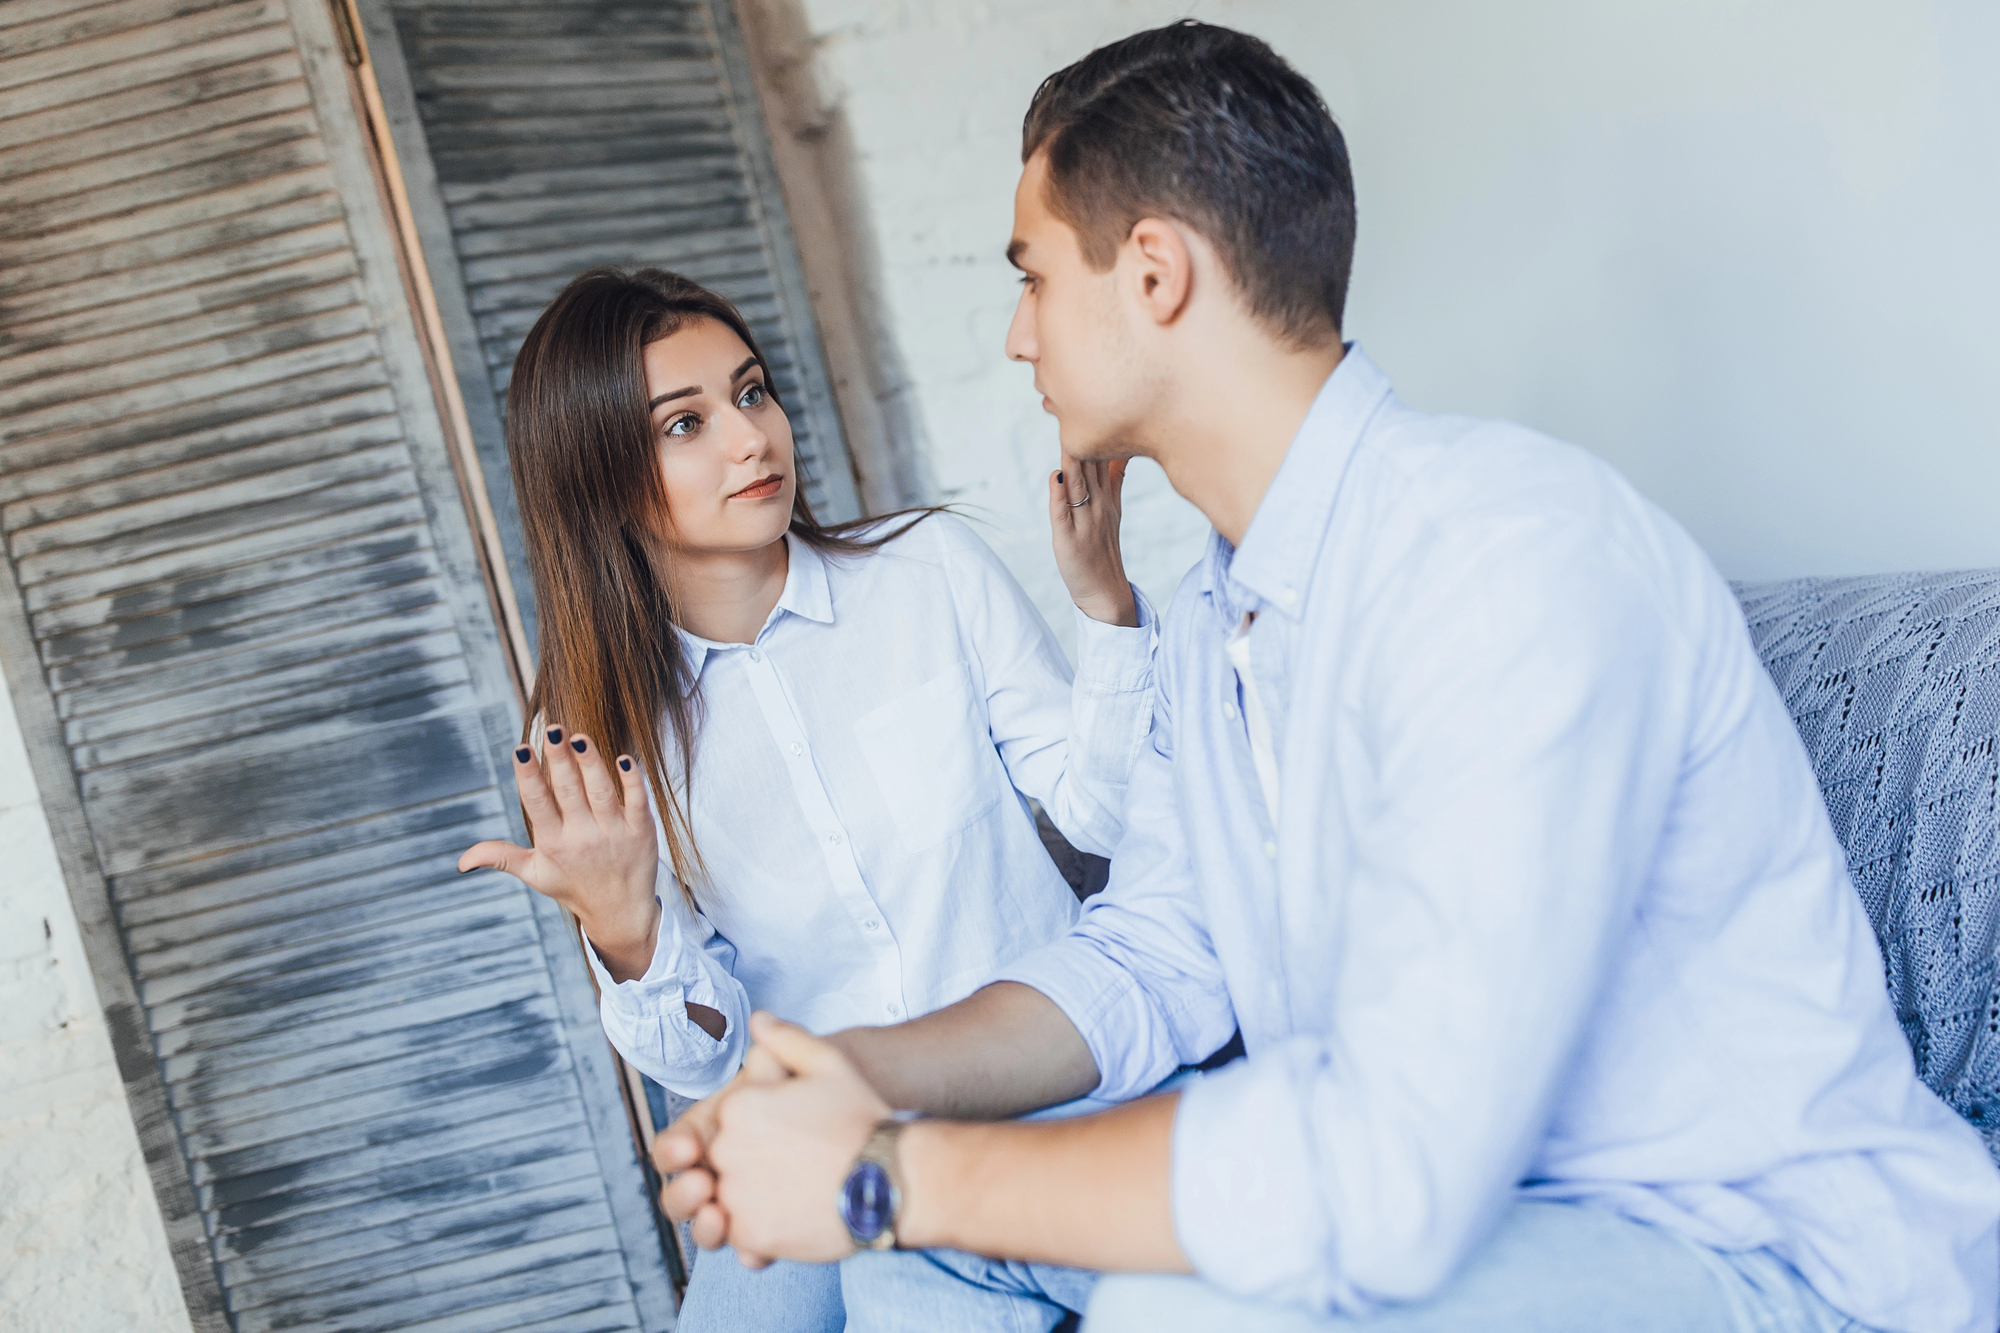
(677, 393)
(737, 374)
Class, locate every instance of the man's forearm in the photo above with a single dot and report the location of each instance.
(1092, 1192)
(1002, 1051)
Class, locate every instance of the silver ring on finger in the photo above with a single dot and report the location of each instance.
(1078, 504)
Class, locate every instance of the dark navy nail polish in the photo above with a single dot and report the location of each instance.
(625, 764)
(576, 745)
(1059, 476)
(523, 755)
(555, 735)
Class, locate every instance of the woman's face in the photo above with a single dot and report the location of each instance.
(725, 446)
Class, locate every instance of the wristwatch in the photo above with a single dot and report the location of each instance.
(872, 1196)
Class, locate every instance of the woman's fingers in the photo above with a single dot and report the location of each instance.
(598, 785)
(559, 765)
(495, 855)
(536, 798)
(633, 778)
(1075, 481)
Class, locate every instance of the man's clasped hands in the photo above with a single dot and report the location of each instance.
(747, 1165)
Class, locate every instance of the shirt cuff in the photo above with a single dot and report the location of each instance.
(1117, 659)
(1248, 1206)
(646, 1018)
(1108, 1008)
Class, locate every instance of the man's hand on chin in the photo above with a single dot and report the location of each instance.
(782, 1150)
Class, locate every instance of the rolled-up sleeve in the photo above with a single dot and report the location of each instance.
(1523, 768)
(1137, 974)
(646, 1018)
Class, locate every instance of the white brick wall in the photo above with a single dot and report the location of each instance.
(82, 1249)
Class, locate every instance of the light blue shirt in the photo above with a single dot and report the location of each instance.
(1547, 901)
(859, 799)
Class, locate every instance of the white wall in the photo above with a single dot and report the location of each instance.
(82, 1248)
(1744, 251)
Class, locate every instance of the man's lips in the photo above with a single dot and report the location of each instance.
(762, 490)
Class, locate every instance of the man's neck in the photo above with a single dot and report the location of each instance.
(1222, 441)
(726, 596)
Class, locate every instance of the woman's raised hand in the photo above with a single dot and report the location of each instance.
(1085, 505)
(594, 853)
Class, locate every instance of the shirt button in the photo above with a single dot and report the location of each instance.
(1288, 597)
(895, 1011)
(1271, 850)
(1229, 711)
(870, 924)
(756, 656)
(833, 838)
(797, 748)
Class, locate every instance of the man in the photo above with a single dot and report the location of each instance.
(1468, 802)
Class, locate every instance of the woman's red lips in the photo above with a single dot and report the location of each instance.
(763, 490)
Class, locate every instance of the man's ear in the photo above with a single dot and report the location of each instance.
(1162, 268)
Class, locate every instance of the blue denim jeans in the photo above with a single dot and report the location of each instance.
(1551, 1268)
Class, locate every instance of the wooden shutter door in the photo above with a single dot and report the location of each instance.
(538, 138)
(257, 662)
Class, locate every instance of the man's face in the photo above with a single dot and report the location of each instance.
(1071, 327)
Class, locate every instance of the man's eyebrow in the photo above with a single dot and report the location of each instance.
(677, 393)
(1015, 249)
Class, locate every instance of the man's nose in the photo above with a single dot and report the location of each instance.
(1020, 343)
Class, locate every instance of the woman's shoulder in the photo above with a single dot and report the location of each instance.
(938, 537)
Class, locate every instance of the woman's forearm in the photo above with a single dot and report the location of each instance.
(1002, 1051)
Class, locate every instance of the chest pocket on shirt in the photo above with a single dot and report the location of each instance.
(933, 757)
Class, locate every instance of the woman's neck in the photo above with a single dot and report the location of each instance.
(726, 596)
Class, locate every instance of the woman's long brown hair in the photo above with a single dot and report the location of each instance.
(587, 477)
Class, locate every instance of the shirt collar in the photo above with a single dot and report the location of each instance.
(1282, 543)
(807, 593)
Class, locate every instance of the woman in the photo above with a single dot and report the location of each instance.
(838, 727)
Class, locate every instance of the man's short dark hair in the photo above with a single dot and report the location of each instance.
(1212, 128)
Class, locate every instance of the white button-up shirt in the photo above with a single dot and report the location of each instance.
(858, 798)
(1549, 905)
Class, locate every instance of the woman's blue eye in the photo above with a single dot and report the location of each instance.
(752, 395)
(687, 419)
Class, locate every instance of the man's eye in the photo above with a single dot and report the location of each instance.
(752, 396)
(684, 424)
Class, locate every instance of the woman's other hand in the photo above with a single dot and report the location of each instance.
(1085, 505)
(594, 853)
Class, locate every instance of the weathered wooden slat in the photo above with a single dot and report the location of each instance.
(344, 396)
(156, 517)
(181, 364)
(743, 269)
(486, 163)
(554, 186)
(539, 24)
(402, 696)
(261, 546)
(647, 246)
(193, 390)
(282, 154)
(470, 1224)
(131, 101)
(255, 235)
(106, 153)
(188, 944)
(307, 1014)
(628, 135)
(147, 63)
(543, 1220)
(209, 22)
(412, 1016)
(15, 13)
(292, 888)
(601, 49)
(117, 172)
(117, 348)
(319, 1075)
(512, 106)
(497, 218)
(590, 1308)
(477, 1282)
(306, 959)
(104, 20)
(260, 282)
(639, 227)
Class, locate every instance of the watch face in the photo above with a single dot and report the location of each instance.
(865, 1203)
